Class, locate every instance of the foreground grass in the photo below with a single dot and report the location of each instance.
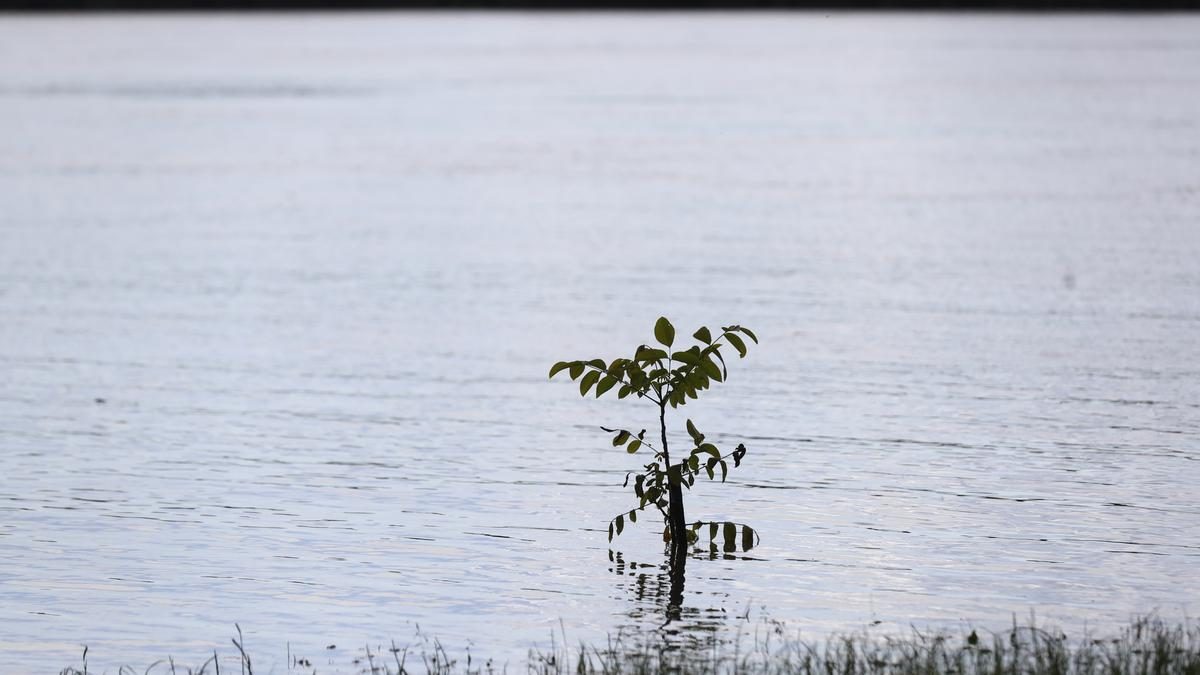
(1146, 647)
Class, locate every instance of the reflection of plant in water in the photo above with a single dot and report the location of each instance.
(670, 379)
(655, 587)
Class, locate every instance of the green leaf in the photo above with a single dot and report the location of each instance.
(737, 344)
(605, 384)
(558, 367)
(648, 354)
(620, 438)
(749, 333)
(597, 364)
(664, 332)
(689, 357)
(610, 532)
(703, 335)
(747, 538)
(588, 380)
(633, 515)
(633, 447)
(694, 433)
(710, 449)
(694, 463)
(724, 370)
(730, 537)
(624, 391)
(620, 524)
(724, 470)
(576, 369)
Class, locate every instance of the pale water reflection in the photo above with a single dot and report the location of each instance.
(317, 267)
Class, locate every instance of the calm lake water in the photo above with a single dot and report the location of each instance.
(316, 268)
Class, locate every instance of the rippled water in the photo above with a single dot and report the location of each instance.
(278, 295)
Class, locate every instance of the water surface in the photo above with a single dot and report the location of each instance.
(278, 295)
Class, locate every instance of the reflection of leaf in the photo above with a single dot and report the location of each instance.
(730, 537)
(747, 538)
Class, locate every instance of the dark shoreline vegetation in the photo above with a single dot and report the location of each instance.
(1148, 646)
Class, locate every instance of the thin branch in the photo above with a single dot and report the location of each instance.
(639, 508)
(634, 436)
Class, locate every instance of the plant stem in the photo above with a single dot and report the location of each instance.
(677, 523)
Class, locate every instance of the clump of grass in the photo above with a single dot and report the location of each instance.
(1147, 646)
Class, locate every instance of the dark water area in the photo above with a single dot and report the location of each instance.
(279, 293)
(609, 5)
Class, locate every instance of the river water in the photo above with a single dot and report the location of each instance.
(278, 296)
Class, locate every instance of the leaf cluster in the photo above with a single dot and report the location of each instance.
(655, 372)
(668, 378)
(651, 485)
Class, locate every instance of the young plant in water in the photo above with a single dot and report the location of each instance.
(670, 379)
